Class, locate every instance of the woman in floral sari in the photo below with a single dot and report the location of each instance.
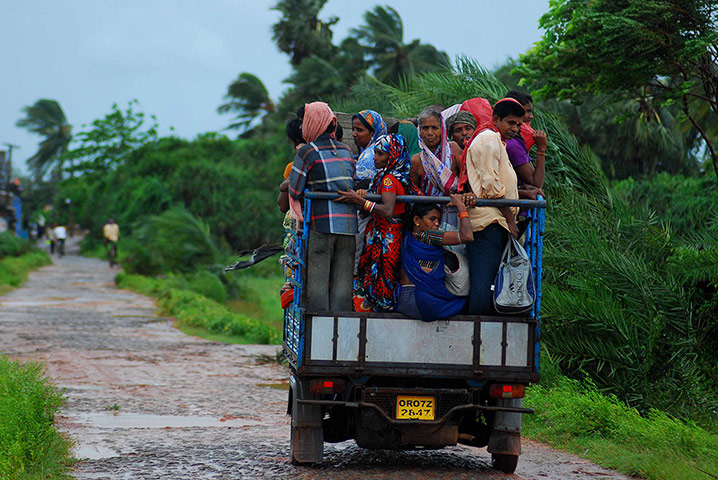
(378, 271)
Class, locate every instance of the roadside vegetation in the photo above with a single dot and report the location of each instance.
(17, 258)
(30, 446)
(196, 313)
(573, 415)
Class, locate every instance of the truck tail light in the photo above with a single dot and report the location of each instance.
(507, 391)
(327, 386)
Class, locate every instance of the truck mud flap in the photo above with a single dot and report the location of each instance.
(506, 432)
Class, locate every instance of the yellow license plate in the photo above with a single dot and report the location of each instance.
(414, 408)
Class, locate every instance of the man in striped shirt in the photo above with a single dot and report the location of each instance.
(326, 165)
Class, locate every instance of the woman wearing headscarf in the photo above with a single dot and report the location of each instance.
(407, 129)
(378, 271)
(435, 168)
(367, 127)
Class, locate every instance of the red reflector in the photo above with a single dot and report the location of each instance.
(507, 391)
(322, 387)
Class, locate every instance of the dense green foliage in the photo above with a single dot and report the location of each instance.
(576, 417)
(693, 261)
(653, 51)
(17, 258)
(225, 183)
(686, 205)
(13, 246)
(30, 446)
(104, 144)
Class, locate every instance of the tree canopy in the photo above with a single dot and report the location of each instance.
(652, 51)
(106, 142)
(383, 37)
(46, 118)
(300, 33)
(248, 98)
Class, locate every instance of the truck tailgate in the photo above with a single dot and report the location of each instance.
(502, 348)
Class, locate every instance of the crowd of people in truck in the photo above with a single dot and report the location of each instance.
(422, 260)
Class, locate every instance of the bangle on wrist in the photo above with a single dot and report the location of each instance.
(464, 214)
(540, 152)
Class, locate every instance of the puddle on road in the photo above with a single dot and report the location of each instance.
(275, 386)
(138, 420)
(94, 452)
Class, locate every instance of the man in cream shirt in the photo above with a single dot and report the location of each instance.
(491, 175)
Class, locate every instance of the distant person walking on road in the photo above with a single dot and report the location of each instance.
(61, 236)
(51, 238)
(111, 232)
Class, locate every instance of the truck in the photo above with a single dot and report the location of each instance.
(390, 382)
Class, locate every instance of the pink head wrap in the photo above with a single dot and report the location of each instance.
(483, 112)
(317, 117)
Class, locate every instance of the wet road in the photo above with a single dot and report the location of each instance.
(145, 401)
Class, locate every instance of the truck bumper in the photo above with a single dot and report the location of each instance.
(499, 408)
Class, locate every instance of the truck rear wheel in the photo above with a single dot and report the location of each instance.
(504, 462)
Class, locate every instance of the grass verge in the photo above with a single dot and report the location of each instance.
(575, 417)
(196, 312)
(14, 270)
(30, 447)
(258, 288)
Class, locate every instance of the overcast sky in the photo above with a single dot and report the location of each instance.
(177, 57)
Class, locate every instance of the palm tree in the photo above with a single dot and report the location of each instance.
(319, 78)
(247, 97)
(392, 59)
(300, 33)
(46, 118)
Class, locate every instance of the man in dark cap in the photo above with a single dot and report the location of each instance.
(460, 127)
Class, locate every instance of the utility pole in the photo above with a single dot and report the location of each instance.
(7, 173)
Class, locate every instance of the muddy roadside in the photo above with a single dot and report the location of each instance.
(145, 401)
